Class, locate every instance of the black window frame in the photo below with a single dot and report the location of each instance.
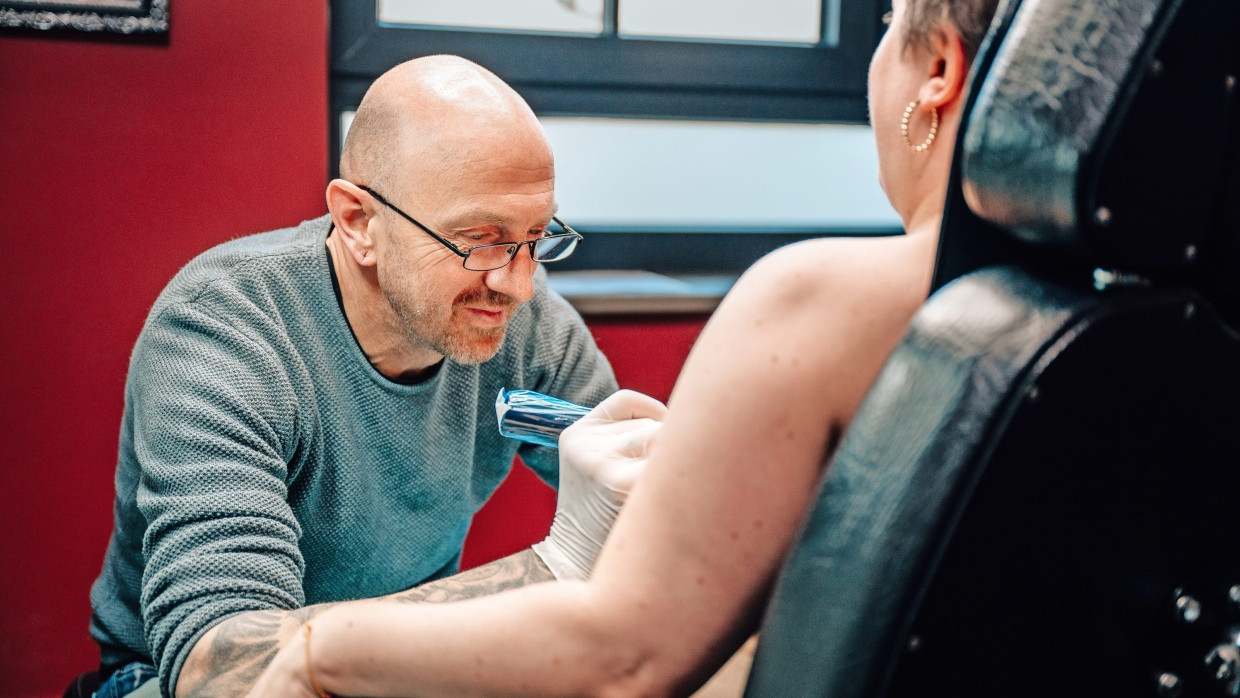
(563, 74)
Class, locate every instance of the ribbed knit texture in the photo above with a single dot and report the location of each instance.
(265, 464)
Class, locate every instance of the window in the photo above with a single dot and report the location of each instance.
(574, 16)
(781, 21)
(701, 76)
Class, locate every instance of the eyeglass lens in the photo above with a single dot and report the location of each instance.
(550, 249)
(554, 248)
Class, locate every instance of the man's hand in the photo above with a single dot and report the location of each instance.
(601, 457)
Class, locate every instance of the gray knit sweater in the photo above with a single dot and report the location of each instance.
(265, 464)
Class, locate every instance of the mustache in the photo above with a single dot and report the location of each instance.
(486, 297)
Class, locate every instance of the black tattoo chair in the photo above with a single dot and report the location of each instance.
(1040, 496)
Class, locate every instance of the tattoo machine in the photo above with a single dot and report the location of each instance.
(535, 418)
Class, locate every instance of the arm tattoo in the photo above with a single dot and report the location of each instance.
(514, 571)
(238, 649)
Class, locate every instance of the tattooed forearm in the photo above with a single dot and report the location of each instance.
(228, 659)
(514, 571)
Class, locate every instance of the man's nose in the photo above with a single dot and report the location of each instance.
(516, 279)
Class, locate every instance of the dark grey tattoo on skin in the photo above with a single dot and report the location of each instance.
(238, 650)
(514, 571)
(240, 647)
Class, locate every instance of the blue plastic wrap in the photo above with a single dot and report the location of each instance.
(535, 418)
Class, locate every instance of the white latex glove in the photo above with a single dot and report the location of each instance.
(601, 457)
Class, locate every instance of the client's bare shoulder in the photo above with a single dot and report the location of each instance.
(898, 268)
(855, 296)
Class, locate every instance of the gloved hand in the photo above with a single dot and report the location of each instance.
(601, 457)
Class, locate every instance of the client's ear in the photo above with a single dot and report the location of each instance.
(946, 68)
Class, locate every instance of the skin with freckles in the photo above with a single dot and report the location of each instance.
(774, 380)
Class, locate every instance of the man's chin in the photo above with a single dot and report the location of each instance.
(477, 348)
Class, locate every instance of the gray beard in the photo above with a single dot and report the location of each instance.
(416, 319)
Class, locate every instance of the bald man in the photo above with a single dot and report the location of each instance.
(309, 412)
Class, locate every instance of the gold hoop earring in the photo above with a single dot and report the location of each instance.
(934, 128)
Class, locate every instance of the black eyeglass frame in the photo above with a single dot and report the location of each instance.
(464, 255)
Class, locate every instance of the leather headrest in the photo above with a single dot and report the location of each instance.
(1099, 130)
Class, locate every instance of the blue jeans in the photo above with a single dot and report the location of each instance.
(126, 680)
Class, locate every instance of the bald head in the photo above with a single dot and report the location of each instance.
(431, 119)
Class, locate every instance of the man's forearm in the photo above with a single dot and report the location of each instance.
(517, 570)
(228, 659)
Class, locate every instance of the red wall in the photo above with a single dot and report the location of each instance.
(118, 163)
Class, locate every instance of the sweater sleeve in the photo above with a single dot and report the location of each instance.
(575, 370)
(213, 425)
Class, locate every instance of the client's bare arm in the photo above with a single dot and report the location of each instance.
(229, 657)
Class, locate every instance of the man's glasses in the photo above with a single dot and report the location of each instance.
(548, 248)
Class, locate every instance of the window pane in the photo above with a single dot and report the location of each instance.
(579, 16)
(704, 175)
(798, 21)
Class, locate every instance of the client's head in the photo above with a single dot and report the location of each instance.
(916, 93)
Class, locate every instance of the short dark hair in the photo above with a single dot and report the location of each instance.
(970, 17)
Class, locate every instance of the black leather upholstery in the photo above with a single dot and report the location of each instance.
(1072, 157)
(1041, 109)
(1047, 470)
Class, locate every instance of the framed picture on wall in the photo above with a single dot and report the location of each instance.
(113, 16)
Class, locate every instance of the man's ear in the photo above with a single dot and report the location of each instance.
(352, 211)
(947, 68)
